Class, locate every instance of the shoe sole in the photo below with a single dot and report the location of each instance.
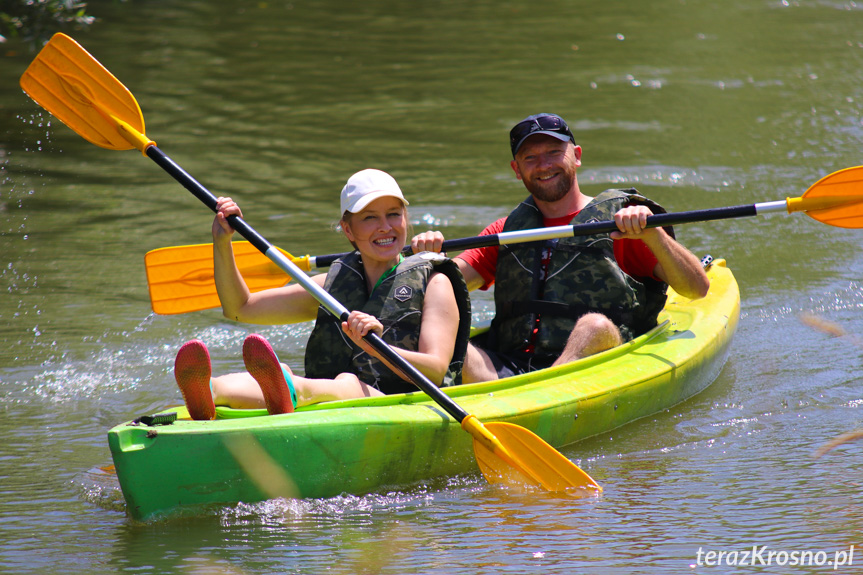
(192, 371)
(263, 364)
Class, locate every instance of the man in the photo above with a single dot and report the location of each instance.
(562, 300)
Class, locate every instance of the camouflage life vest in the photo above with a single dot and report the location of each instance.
(397, 301)
(583, 276)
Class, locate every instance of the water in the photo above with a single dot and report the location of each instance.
(276, 104)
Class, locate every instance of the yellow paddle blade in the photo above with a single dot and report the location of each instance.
(181, 279)
(836, 199)
(68, 82)
(510, 454)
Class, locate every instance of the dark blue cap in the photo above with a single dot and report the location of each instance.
(548, 124)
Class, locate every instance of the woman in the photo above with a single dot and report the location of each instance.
(419, 305)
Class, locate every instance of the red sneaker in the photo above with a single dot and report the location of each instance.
(261, 361)
(192, 372)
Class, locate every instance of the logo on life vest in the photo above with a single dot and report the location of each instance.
(403, 293)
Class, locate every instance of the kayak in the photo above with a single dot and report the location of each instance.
(167, 463)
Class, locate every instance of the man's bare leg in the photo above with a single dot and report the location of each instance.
(241, 391)
(477, 366)
(593, 333)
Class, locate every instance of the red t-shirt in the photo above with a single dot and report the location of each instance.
(633, 256)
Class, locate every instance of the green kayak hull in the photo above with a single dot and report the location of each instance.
(376, 444)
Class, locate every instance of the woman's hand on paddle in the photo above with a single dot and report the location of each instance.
(427, 242)
(358, 325)
(224, 207)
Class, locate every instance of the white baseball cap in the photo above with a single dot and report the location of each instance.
(366, 186)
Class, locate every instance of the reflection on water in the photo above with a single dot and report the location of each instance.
(697, 105)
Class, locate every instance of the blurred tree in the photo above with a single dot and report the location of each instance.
(35, 21)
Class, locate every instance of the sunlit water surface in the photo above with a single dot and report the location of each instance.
(696, 104)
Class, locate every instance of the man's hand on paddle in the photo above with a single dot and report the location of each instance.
(632, 223)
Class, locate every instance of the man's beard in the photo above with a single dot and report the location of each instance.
(548, 192)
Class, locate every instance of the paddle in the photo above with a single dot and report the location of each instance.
(69, 83)
(181, 278)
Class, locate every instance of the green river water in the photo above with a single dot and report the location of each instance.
(697, 104)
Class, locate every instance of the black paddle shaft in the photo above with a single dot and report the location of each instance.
(209, 200)
(397, 362)
(604, 227)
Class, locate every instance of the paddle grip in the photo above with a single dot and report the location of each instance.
(660, 220)
(604, 227)
(701, 215)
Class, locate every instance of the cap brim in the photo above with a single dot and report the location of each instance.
(558, 135)
(364, 201)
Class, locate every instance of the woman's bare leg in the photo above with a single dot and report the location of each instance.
(241, 391)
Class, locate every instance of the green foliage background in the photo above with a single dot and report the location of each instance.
(35, 21)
